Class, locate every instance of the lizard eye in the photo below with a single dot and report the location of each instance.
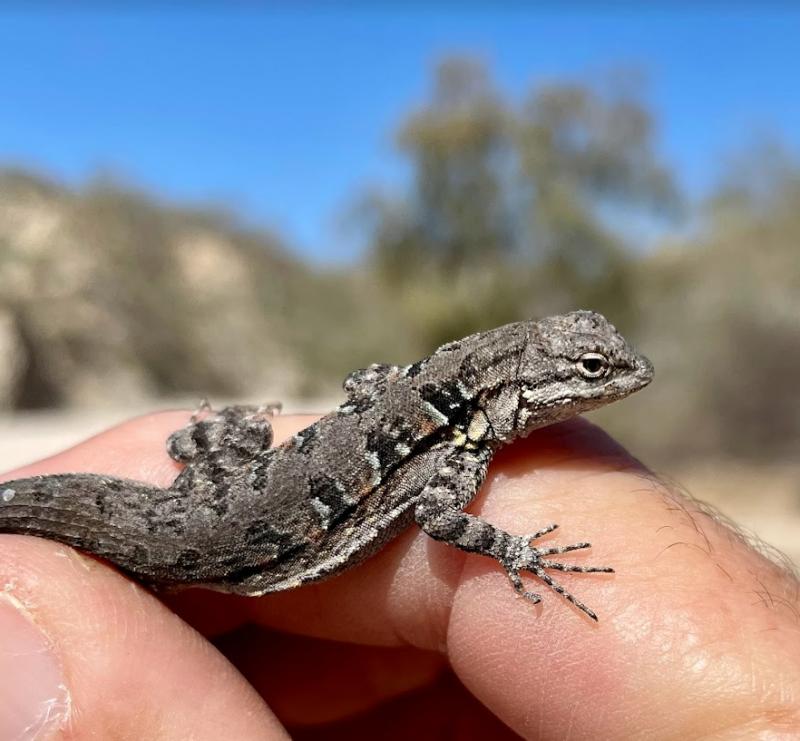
(593, 365)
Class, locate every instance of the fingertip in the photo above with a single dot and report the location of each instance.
(35, 698)
(128, 666)
(134, 448)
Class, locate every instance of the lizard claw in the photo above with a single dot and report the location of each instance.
(540, 533)
(516, 580)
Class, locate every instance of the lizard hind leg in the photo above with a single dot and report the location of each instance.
(230, 436)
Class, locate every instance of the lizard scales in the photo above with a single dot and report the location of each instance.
(410, 443)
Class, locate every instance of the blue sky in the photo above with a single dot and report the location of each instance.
(285, 113)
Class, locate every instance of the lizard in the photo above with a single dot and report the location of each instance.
(410, 444)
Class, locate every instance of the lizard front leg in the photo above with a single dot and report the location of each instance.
(438, 513)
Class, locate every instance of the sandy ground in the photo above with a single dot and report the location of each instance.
(763, 500)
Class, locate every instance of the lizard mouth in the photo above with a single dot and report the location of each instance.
(637, 375)
(644, 370)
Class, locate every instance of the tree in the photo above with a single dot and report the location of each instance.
(460, 150)
(587, 162)
(514, 211)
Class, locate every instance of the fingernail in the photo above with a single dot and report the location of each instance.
(33, 696)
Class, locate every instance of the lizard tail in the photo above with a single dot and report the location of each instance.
(127, 522)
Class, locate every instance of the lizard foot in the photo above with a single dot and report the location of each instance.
(242, 431)
(525, 557)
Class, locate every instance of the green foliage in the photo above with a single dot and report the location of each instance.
(460, 150)
(506, 204)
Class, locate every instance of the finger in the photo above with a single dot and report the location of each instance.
(102, 658)
(309, 681)
(444, 709)
(84, 649)
(684, 648)
(698, 632)
(135, 448)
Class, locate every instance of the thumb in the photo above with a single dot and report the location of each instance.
(83, 649)
(86, 651)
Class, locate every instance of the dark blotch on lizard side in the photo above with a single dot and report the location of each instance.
(385, 447)
(40, 496)
(447, 399)
(305, 439)
(266, 538)
(189, 559)
(140, 554)
(100, 502)
(259, 478)
(325, 489)
(414, 369)
(357, 404)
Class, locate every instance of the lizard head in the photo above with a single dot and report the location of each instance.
(573, 363)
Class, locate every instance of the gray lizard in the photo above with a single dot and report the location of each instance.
(409, 444)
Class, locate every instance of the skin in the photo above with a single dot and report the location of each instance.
(698, 633)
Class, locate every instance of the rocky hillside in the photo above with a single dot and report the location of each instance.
(107, 295)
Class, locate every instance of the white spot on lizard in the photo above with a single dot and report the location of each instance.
(375, 464)
(478, 426)
(324, 512)
(435, 413)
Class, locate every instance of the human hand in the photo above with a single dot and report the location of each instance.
(697, 634)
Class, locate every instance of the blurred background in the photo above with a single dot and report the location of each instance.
(247, 204)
